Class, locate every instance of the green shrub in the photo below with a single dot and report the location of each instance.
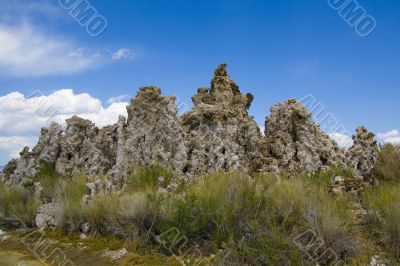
(102, 214)
(383, 208)
(146, 178)
(257, 219)
(323, 178)
(388, 165)
(137, 212)
(69, 197)
(333, 223)
(212, 208)
(295, 206)
(17, 207)
(286, 202)
(242, 220)
(49, 180)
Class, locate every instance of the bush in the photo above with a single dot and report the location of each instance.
(17, 207)
(257, 219)
(324, 178)
(242, 220)
(49, 180)
(137, 212)
(296, 207)
(213, 207)
(383, 208)
(388, 165)
(146, 178)
(334, 225)
(69, 194)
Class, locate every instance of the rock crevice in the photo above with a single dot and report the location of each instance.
(216, 134)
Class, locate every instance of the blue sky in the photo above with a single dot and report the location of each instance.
(276, 49)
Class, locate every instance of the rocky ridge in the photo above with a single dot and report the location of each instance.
(216, 134)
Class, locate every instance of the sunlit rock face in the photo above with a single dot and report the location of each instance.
(362, 156)
(216, 134)
(219, 133)
(153, 133)
(295, 143)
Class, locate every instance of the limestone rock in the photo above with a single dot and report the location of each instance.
(18, 170)
(362, 156)
(295, 143)
(84, 147)
(119, 170)
(340, 185)
(46, 216)
(48, 147)
(219, 134)
(153, 132)
(216, 134)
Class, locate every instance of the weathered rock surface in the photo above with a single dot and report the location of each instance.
(219, 133)
(295, 143)
(153, 131)
(362, 156)
(46, 216)
(340, 185)
(216, 134)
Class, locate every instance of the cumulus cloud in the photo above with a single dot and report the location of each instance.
(345, 141)
(122, 53)
(118, 99)
(342, 140)
(14, 145)
(22, 116)
(32, 47)
(389, 137)
(27, 52)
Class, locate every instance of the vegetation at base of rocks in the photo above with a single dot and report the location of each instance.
(257, 219)
(48, 178)
(146, 178)
(69, 198)
(388, 165)
(323, 178)
(383, 208)
(17, 207)
(224, 218)
(250, 219)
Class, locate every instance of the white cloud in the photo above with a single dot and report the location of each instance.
(14, 145)
(390, 137)
(122, 53)
(22, 116)
(27, 52)
(31, 46)
(262, 129)
(118, 99)
(342, 140)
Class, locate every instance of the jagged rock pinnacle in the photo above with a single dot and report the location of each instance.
(216, 134)
(362, 156)
(224, 92)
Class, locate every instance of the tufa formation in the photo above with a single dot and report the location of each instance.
(216, 134)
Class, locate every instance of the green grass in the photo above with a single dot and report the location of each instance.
(240, 219)
(69, 195)
(17, 207)
(258, 216)
(383, 207)
(49, 180)
(323, 179)
(146, 178)
(388, 165)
